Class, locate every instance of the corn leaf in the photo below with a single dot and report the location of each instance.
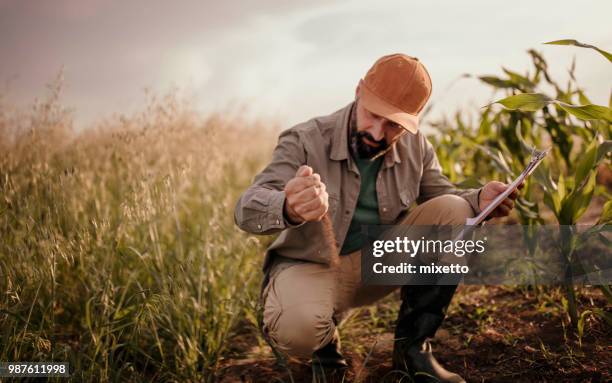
(604, 148)
(552, 200)
(607, 55)
(588, 112)
(524, 145)
(561, 188)
(577, 202)
(586, 163)
(497, 82)
(526, 102)
(583, 98)
(519, 79)
(542, 175)
(606, 214)
(498, 159)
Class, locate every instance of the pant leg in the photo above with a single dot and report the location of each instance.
(364, 295)
(304, 302)
(447, 209)
(424, 307)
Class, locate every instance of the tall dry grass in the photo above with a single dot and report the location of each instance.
(118, 251)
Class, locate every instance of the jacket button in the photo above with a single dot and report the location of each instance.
(384, 209)
(259, 227)
(277, 222)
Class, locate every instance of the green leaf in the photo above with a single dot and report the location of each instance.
(606, 214)
(585, 196)
(496, 82)
(561, 188)
(581, 321)
(524, 145)
(597, 230)
(525, 211)
(542, 175)
(603, 149)
(552, 201)
(526, 202)
(586, 163)
(581, 45)
(577, 202)
(583, 98)
(498, 159)
(526, 102)
(484, 130)
(588, 112)
(518, 79)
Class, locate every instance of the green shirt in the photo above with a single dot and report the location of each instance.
(366, 212)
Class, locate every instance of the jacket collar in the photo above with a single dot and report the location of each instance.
(339, 139)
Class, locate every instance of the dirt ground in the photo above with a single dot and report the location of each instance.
(492, 334)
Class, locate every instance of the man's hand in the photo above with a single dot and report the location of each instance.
(306, 197)
(492, 190)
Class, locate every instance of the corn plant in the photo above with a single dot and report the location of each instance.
(569, 197)
(578, 132)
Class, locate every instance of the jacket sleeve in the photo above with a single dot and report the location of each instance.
(259, 209)
(434, 183)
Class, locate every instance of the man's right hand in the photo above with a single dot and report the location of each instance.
(306, 197)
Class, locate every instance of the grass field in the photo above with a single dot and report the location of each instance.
(119, 254)
(118, 250)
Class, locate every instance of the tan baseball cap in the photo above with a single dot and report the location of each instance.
(397, 87)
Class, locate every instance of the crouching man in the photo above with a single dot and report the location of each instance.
(363, 165)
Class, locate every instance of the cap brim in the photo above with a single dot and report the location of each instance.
(376, 105)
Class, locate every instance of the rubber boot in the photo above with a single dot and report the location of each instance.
(421, 314)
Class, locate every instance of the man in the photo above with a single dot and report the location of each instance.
(363, 165)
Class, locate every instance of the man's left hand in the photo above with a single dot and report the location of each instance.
(492, 190)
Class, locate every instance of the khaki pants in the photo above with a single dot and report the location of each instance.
(304, 302)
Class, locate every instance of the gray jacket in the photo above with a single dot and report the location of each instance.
(410, 173)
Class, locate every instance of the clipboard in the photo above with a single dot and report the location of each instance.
(537, 156)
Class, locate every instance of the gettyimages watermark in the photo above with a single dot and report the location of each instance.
(487, 254)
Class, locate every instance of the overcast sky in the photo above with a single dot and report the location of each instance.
(289, 60)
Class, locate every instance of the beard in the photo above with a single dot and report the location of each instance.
(363, 149)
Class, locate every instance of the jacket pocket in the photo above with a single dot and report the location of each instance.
(259, 202)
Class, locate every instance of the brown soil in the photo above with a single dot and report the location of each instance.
(492, 334)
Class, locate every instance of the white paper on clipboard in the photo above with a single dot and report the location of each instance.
(536, 158)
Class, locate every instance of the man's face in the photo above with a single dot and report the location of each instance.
(375, 134)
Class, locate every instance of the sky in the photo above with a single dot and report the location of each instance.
(284, 60)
